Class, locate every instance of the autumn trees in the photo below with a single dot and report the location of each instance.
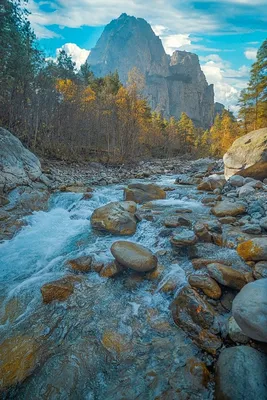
(61, 112)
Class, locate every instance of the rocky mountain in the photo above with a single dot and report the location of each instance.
(174, 84)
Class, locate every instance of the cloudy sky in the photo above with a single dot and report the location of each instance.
(224, 33)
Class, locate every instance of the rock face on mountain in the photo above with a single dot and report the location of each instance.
(248, 156)
(173, 84)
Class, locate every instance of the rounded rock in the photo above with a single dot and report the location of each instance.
(134, 256)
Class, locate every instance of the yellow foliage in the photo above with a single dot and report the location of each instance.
(67, 88)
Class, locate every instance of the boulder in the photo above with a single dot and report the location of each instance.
(248, 156)
(17, 164)
(241, 374)
(212, 182)
(19, 358)
(228, 276)
(226, 208)
(116, 217)
(142, 193)
(134, 256)
(197, 318)
(208, 285)
(250, 310)
(254, 249)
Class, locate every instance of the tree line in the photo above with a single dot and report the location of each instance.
(60, 112)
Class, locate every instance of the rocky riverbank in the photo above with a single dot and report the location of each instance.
(141, 282)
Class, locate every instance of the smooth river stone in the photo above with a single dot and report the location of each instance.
(134, 256)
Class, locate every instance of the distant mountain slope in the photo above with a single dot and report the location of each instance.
(174, 84)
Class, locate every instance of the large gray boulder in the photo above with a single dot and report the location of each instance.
(250, 310)
(18, 166)
(248, 156)
(241, 374)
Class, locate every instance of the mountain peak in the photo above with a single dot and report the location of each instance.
(174, 84)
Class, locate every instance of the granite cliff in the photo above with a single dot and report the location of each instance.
(174, 84)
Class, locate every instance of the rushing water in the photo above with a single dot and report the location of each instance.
(113, 338)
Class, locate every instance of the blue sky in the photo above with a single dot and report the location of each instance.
(224, 33)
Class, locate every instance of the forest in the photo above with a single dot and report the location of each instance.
(60, 112)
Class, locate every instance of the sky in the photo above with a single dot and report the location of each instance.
(225, 34)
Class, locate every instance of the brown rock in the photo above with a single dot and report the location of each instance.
(196, 317)
(58, 290)
(142, 193)
(81, 264)
(226, 208)
(200, 263)
(208, 285)
(110, 270)
(134, 256)
(18, 359)
(260, 270)
(228, 276)
(212, 182)
(116, 217)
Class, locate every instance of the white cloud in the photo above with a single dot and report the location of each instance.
(227, 81)
(251, 53)
(78, 55)
(174, 42)
(76, 13)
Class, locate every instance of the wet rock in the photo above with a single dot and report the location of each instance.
(156, 273)
(58, 290)
(196, 317)
(250, 310)
(117, 218)
(208, 285)
(237, 180)
(142, 193)
(19, 358)
(200, 263)
(263, 223)
(111, 270)
(81, 264)
(184, 238)
(175, 221)
(253, 249)
(227, 220)
(226, 208)
(134, 256)
(202, 232)
(251, 228)
(183, 210)
(235, 333)
(245, 190)
(187, 180)
(227, 299)
(241, 374)
(212, 182)
(228, 276)
(247, 156)
(260, 270)
(79, 188)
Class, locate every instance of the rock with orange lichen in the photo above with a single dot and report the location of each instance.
(18, 359)
(197, 318)
(254, 249)
(59, 290)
